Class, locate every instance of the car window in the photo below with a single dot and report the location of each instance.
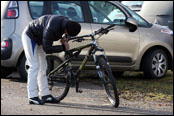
(141, 21)
(70, 9)
(36, 8)
(105, 12)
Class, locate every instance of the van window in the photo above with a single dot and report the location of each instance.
(105, 12)
(70, 9)
(36, 8)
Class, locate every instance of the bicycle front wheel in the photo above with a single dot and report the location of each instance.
(59, 80)
(108, 81)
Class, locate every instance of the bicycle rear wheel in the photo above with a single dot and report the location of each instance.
(59, 80)
(108, 82)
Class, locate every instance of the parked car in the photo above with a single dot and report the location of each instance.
(148, 49)
(159, 12)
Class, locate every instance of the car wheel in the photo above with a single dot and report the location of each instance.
(155, 64)
(5, 72)
(22, 67)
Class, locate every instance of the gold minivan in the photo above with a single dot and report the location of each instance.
(148, 49)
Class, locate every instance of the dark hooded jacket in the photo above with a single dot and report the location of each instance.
(47, 29)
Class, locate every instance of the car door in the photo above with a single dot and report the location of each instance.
(121, 46)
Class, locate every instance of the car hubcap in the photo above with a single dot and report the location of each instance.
(159, 64)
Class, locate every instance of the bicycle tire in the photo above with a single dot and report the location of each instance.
(108, 81)
(58, 83)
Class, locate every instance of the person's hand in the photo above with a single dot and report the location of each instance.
(66, 45)
(65, 42)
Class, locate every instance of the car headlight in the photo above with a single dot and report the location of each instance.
(167, 31)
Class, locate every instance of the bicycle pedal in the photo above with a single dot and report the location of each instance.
(80, 91)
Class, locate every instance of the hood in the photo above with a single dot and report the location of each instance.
(162, 29)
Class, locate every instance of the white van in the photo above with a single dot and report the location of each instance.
(158, 12)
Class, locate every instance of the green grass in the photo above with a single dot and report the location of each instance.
(134, 86)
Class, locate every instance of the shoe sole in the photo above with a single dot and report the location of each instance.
(35, 102)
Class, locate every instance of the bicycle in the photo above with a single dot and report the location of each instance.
(62, 77)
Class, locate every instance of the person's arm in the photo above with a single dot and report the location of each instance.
(47, 43)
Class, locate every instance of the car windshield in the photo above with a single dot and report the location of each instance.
(141, 22)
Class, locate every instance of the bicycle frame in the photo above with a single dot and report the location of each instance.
(102, 65)
(75, 52)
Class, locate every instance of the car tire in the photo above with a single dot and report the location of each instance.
(22, 67)
(5, 72)
(155, 64)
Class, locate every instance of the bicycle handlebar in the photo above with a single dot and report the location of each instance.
(78, 37)
(101, 30)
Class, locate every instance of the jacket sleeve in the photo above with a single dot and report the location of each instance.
(47, 43)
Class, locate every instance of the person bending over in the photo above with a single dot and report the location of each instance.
(37, 40)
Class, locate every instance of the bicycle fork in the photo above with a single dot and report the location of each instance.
(98, 69)
(96, 59)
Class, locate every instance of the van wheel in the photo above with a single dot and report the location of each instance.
(155, 64)
(22, 67)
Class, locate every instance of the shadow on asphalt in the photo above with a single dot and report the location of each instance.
(121, 109)
(16, 79)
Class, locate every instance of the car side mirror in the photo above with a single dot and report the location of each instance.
(132, 24)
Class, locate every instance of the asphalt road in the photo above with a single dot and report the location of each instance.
(91, 102)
